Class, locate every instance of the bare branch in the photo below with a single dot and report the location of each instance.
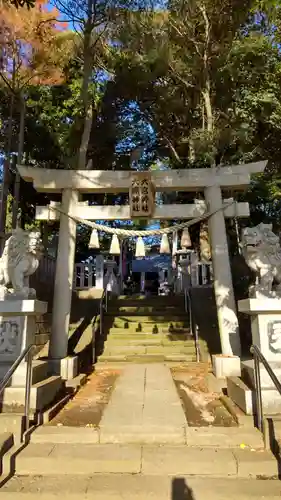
(172, 149)
(6, 81)
(181, 79)
(174, 26)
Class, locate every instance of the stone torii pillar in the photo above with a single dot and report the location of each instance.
(223, 286)
(63, 288)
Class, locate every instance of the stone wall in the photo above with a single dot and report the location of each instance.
(43, 282)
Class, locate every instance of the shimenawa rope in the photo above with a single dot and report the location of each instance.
(130, 233)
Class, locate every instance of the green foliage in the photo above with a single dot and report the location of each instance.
(171, 66)
(189, 86)
(264, 197)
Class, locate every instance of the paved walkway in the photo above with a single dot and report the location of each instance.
(144, 407)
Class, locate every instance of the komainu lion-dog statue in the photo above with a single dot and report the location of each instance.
(262, 252)
(20, 259)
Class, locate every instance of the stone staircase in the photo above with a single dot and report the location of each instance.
(140, 450)
(148, 329)
(71, 462)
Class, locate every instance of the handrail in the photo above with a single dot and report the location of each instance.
(4, 382)
(103, 306)
(188, 309)
(259, 358)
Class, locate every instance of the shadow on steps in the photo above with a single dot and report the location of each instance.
(205, 316)
(83, 319)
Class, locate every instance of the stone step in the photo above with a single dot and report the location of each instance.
(146, 309)
(120, 333)
(131, 350)
(88, 459)
(122, 365)
(42, 393)
(147, 358)
(6, 443)
(133, 322)
(193, 437)
(153, 299)
(13, 423)
(39, 370)
(39, 373)
(196, 437)
(47, 434)
(225, 437)
(154, 341)
(149, 318)
(138, 487)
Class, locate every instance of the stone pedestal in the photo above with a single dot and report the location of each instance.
(66, 368)
(17, 331)
(265, 314)
(226, 366)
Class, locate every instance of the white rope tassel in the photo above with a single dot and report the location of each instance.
(140, 248)
(115, 245)
(94, 240)
(185, 239)
(165, 245)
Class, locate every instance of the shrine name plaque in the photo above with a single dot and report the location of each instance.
(142, 195)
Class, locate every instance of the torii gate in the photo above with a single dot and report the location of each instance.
(210, 181)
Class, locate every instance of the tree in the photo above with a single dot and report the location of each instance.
(91, 20)
(33, 49)
(177, 65)
(186, 47)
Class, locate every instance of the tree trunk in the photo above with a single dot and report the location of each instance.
(87, 107)
(208, 106)
(203, 116)
(19, 158)
(82, 160)
(206, 92)
(6, 174)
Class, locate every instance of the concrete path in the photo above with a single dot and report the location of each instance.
(144, 408)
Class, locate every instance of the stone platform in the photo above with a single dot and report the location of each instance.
(242, 390)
